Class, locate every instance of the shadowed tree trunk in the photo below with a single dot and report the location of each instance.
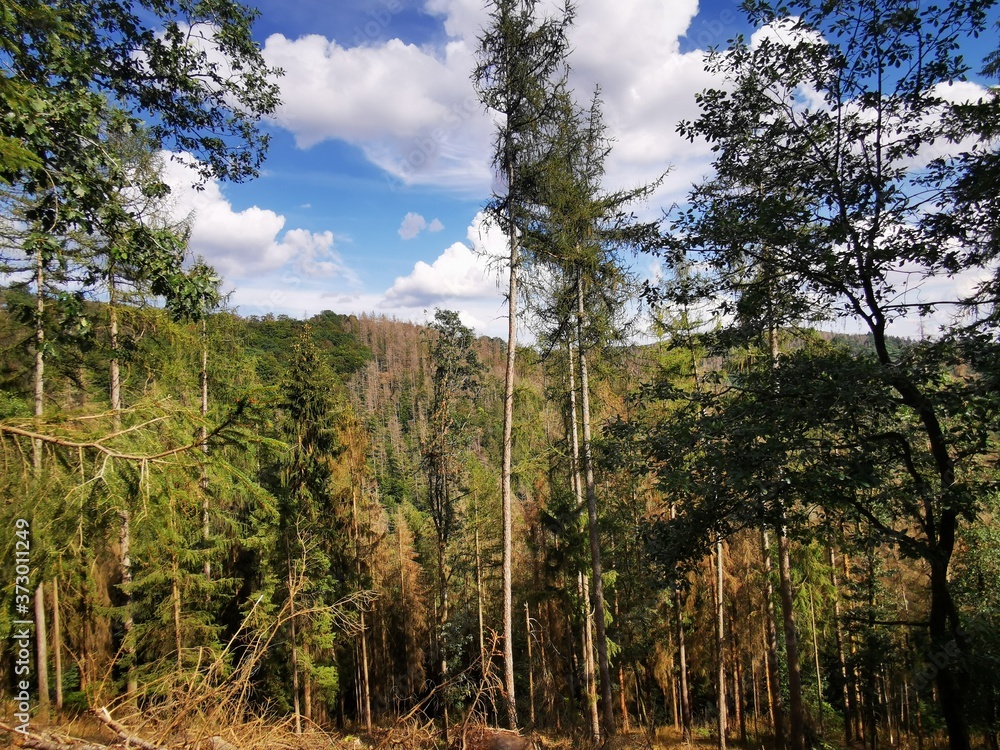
(773, 678)
(603, 663)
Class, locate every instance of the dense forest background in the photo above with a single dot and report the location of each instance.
(679, 504)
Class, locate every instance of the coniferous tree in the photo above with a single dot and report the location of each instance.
(521, 64)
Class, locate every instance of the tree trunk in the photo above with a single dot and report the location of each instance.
(506, 497)
(590, 679)
(756, 697)
(773, 677)
(819, 679)
(622, 702)
(720, 644)
(42, 649)
(531, 673)
(738, 681)
(796, 716)
(595, 537)
(176, 600)
(128, 649)
(854, 686)
(114, 368)
(685, 696)
(622, 699)
(206, 525)
(442, 623)
(951, 682)
(576, 479)
(307, 696)
(36, 444)
(479, 598)
(366, 703)
(846, 702)
(295, 659)
(57, 643)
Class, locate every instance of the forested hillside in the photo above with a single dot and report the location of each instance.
(680, 511)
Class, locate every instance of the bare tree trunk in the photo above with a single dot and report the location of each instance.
(84, 613)
(773, 678)
(595, 537)
(854, 679)
(36, 444)
(819, 680)
(363, 636)
(685, 695)
(767, 676)
(42, 650)
(756, 697)
(506, 497)
(622, 702)
(796, 723)
(295, 659)
(846, 702)
(589, 676)
(125, 543)
(206, 525)
(720, 643)
(576, 479)
(307, 698)
(738, 680)
(125, 516)
(57, 642)
(114, 367)
(176, 600)
(442, 623)
(738, 691)
(479, 597)
(675, 701)
(531, 672)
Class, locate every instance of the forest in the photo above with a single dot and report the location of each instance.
(662, 512)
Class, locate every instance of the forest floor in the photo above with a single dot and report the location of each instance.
(92, 732)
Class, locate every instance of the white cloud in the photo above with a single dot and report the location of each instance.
(469, 278)
(455, 274)
(414, 113)
(411, 110)
(244, 244)
(411, 226)
(461, 272)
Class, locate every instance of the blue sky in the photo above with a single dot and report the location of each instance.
(371, 195)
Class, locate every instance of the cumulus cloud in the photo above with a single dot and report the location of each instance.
(413, 224)
(461, 272)
(455, 274)
(243, 244)
(413, 111)
(468, 278)
(410, 109)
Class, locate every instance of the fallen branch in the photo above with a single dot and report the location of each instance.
(48, 741)
(105, 718)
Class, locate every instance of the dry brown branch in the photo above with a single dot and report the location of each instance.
(49, 740)
(214, 695)
(98, 445)
(104, 717)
